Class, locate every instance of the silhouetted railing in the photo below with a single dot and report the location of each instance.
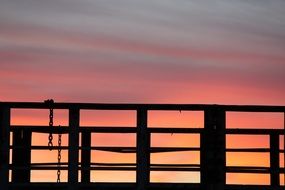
(212, 168)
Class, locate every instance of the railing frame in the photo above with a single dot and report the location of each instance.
(213, 145)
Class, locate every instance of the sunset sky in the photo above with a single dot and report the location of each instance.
(150, 51)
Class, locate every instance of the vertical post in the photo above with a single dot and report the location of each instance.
(21, 156)
(213, 150)
(85, 156)
(143, 150)
(73, 142)
(4, 146)
(274, 160)
(284, 150)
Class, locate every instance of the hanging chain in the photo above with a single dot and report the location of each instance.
(50, 137)
(59, 157)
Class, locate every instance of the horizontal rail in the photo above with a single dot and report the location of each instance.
(155, 167)
(114, 168)
(115, 164)
(152, 149)
(132, 186)
(250, 169)
(106, 106)
(254, 131)
(65, 129)
(247, 169)
(106, 129)
(175, 130)
(255, 150)
(114, 149)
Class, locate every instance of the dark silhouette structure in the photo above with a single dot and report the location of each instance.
(212, 167)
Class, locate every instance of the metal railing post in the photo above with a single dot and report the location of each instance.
(143, 151)
(274, 160)
(4, 146)
(21, 156)
(73, 149)
(85, 156)
(213, 150)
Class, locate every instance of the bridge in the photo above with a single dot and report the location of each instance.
(16, 148)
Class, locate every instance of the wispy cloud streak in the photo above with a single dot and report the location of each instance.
(149, 51)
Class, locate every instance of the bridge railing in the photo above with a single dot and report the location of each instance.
(212, 168)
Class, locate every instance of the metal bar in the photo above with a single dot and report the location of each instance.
(99, 129)
(39, 167)
(131, 186)
(152, 150)
(230, 169)
(284, 149)
(33, 165)
(64, 129)
(253, 131)
(49, 164)
(85, 156)
(107, 168)
(21, 155)
(38, 147)
(112, 149)
(171, 169)
(120, 149)
(164, 168)
(143, 151)
(113, 164)
(40, 129)
(106, 106)
(247, 169)
(252, 187)
(73, 142)
(112, 168)
(213, 153)
(175, 130)
(248, 150)
(4, 146)
(173, 149)
(274, 160)
(176, 165)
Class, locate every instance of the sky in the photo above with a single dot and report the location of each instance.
(150, 51)
(158, 51)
